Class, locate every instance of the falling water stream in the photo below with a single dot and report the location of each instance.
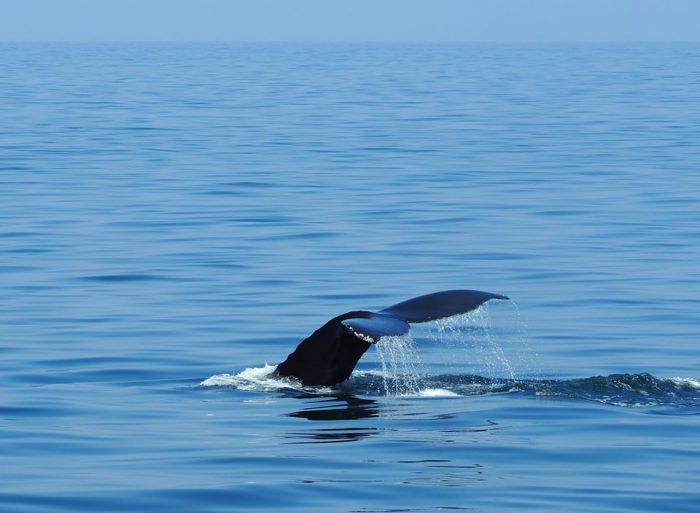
(465, 341)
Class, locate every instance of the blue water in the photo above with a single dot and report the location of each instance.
(175, 217)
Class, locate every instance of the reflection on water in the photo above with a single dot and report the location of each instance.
(391, 409)
(342, 408)
(330, 435)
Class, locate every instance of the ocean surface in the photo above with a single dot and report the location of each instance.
(175, 218)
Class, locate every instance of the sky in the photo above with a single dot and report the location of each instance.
(351, 20)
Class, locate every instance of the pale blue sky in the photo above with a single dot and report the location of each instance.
(350, 20)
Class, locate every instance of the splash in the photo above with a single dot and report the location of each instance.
(474, 342)
(400, 362)
(462, 342)
(437, 392)
(258, 379)
(483, 338)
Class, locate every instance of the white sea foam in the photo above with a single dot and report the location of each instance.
(687, 382)
(257, 379)
(437, 392)
(252, 378)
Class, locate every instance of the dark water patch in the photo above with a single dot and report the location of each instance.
(145, 129)
(269, 282)
(480, 255)
(325, 235)
(18, 268)
(225, 192)
(563, 213)
(433, 221)
(126, 278)
(28, 251)
(20, 169)
(65, 502)
(21, 234)
(250, 184)
(38, 412)
(154, 225)
(272, 219)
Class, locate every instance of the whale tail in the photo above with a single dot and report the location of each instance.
(329, 355)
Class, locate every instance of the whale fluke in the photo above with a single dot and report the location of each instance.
(329, 355)
(439, 305)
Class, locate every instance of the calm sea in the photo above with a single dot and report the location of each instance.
(175, 217)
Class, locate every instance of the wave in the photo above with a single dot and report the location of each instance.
(627, 390)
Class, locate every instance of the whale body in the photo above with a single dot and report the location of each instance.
(329, 355)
